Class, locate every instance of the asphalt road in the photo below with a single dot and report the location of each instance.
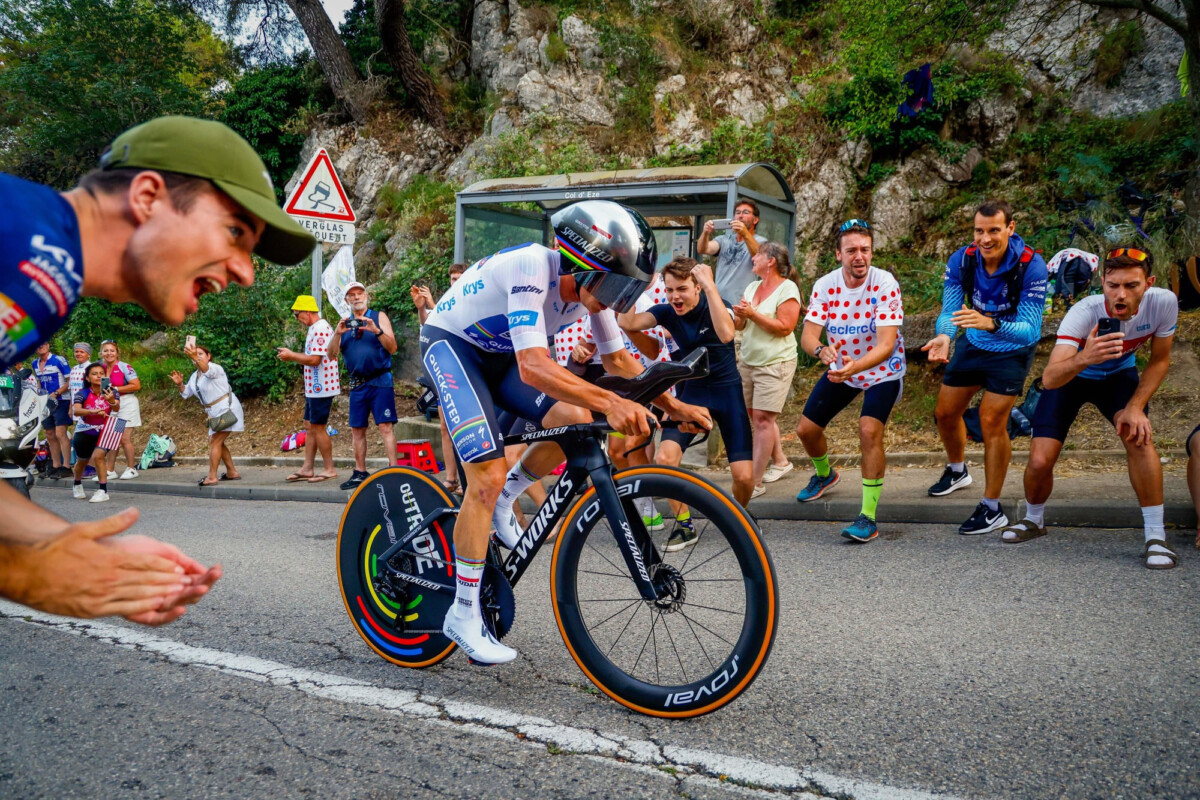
(923, 663)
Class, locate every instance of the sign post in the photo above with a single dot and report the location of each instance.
(319, 203)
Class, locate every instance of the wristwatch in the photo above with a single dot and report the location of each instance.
(817, 352)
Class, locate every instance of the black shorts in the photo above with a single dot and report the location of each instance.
(62, 415)
(1057, 408)
(316, 409)
(828, 399)
(998, 373)
(727, 405)
(1188, 444)
(85, 444)
(473, 387)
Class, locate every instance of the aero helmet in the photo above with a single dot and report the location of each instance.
(609, 249)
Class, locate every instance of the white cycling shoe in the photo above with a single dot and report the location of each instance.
(507, 530)
(476, 640)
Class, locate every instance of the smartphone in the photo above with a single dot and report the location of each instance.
(1108, 325)
(105, 384)
(722, 224)
(189, 343)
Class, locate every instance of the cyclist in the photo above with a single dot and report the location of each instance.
(995, 290)
(485, 349)
(1089, 367)
(174, 211)
(860, 309)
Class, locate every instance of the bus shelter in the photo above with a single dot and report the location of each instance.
(676, 201)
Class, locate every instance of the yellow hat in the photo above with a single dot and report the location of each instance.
(306, 302)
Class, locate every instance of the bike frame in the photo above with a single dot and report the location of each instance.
(585, 459)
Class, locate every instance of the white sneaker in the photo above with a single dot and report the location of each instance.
(758, 491)
(476, 640)
(100, 496)
(129, 474)
(774, 472)
(78, 493)
(507, 530)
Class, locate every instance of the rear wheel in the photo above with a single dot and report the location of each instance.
(709, 632)
(400, 621)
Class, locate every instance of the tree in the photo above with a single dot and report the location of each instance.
(393, 31)
(75, 73)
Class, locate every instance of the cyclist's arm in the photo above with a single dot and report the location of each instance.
(543, 373)
(621, 363)
(23, 521)
(1066, 361)
(1155, 372)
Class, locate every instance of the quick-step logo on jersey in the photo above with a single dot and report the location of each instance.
(491, 334)
(464, 413)
(17, 329)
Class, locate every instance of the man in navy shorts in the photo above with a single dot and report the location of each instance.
(366, 342)
(995, 290)
(1093, 362)
(54, 374)
(696, 316)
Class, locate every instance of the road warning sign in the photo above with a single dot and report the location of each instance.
(319, 202)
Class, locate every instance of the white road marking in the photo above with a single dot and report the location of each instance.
(694, 766)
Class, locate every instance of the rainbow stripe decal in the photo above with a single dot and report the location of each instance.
(579, 258)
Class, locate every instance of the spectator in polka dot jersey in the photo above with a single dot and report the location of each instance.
(859, 308)
(321, 384)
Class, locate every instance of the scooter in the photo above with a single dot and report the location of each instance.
(23, 407)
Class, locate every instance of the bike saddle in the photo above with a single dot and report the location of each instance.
(658, 378)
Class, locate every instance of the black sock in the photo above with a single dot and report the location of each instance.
(78, 482)
(104, 486)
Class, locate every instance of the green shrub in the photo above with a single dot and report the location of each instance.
(1118, 46)
(556, 48)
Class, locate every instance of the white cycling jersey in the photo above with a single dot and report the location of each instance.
(510, 301)
(1156, 317)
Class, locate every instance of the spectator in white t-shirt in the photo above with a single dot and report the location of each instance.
(321, 385)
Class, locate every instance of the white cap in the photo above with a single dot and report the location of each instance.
(352, 285)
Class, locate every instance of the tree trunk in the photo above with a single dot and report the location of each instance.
(393, 31)
(1191, 194)
(332, 55)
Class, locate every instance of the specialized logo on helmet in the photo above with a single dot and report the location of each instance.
(583, 252)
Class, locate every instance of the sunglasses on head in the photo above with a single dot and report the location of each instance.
(1128, 252)
(854, 223)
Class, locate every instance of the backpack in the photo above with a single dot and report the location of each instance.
(293, 441)
(1015, 277)
(159, 452)
(1020, 420)
(1185, 283)
(1072, 272)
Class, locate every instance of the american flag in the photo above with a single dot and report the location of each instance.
(110, 436)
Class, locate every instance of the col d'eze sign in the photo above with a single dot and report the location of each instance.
(319, 202)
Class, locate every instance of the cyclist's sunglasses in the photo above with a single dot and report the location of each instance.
(854, 223)
(1128, 252)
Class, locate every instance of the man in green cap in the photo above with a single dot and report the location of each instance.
(175, 210)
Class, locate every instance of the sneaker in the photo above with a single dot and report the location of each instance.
(89, 471)
(129, 474)
(95, 478)
(78, 493)
(355, 479)
(759, 490)
(817, 486)
(683, 536)
(950, 481)
(476, 640)
(774, 473)
(66, 472)
(862, 529)
(99, 496)
(984, 520)
(506, 528)
(654, 523)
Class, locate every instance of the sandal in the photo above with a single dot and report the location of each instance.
(206, 482)
(225, 477)
(296, 476)
(1165, 553)
(1023, 531)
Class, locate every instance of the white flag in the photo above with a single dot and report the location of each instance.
(336, 277)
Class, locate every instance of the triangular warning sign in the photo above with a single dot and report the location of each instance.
(319, 194)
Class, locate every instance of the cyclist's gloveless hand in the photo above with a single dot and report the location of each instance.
(629, 418)
(692, 419)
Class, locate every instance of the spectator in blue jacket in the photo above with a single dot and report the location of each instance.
(995, 290)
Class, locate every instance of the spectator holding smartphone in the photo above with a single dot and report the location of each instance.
(734, 250)
(321, 384)
(1090, 366)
